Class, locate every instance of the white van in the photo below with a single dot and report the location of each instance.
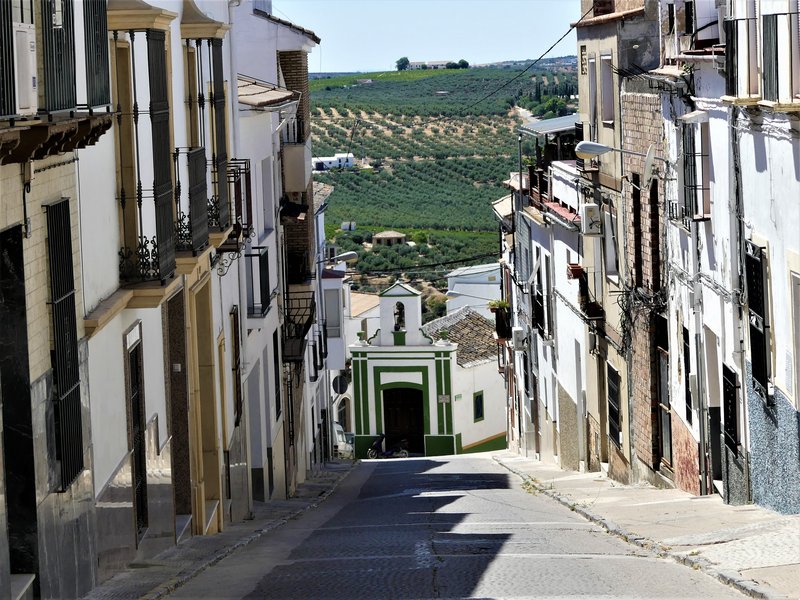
(342, 442)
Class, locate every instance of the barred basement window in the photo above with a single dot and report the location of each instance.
(66, 376)
(760, 355)
(614, 429)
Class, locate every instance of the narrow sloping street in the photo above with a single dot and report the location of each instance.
(444, 528)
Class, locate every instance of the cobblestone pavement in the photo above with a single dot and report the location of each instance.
(454, 527)
(748, 547)
(157, 577)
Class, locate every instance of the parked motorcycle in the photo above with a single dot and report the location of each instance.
(376, 450)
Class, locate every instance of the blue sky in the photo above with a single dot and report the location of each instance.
(370, 35)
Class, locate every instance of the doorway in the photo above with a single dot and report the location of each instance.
(137, 429)
(404, 418)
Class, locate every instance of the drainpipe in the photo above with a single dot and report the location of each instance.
(739, 285)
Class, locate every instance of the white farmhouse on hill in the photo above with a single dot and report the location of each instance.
(340, 160)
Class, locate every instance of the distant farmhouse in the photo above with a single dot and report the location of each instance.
(337, 161)
(433, 64)
(388, 238)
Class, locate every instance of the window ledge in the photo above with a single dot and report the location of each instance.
(741, 100)
(791, 106)
(105, 312)
(608, 124)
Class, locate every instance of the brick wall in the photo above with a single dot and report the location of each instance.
(294, 66)
(642, 126)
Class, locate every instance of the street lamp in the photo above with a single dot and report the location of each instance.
(340, 258)
(589, 150)
(454, 294)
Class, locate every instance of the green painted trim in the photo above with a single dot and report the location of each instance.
(447, 365)
(459, 446)
(483, 406)
(439, 390)
(497, 442)
(399, 337)
(357, 396)
(424, 387)
(374, 335)
(362, 443)
(440, 445)
(404, 356)
(365, 395)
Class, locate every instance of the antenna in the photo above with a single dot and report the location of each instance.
(648, 166)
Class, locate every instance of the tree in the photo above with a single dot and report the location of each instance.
(402, 63)
(462, 64)
(451, 65)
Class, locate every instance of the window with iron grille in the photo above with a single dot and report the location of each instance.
(236, 364)
(760, 356)
(696, 172)
(688, 11)
(729, 405)
(276, 364)
(687, 387)
(220, 134)
(731, 57)
(769, 64)
(162, 152)
(98, 84)
(636, 215)
(313, 369)
(66, 377)
(614, 421)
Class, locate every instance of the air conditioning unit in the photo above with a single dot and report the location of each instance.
(26, 90)
(590, 219)
(518, 339)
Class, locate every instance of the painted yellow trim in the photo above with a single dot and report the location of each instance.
(146, 17)
(105, 312)
(485, 440)
(152, 294)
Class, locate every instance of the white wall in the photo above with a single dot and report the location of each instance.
(467, 381)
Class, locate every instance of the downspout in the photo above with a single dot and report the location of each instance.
(739, 285)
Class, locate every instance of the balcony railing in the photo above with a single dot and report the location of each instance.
(299, 310)
(191, 209)
(259, 293)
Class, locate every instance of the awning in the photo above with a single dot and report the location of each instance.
(550, 126)
(261, 95)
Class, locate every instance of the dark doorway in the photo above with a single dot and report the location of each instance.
(403, 419)
(18, 435)
(137, 443)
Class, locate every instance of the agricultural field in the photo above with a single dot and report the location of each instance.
(433, 152)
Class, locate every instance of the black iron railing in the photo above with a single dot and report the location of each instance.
(7, 87)
(222, 211)
(95, 24)
(58, 56)
(192, 229)
(258, 284)
(299, 310)
(66, 372)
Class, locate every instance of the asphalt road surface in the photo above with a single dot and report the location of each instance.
(448, 527)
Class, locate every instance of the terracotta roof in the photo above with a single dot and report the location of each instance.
(473, 333)
(361, 303)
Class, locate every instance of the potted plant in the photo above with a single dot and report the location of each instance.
(498, 305)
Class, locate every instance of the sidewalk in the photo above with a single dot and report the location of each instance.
(750, 548)
(164, 573)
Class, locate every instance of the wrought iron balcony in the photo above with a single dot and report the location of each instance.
(299, 310)
(191, 208)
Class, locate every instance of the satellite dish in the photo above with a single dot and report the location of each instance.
(648, 166)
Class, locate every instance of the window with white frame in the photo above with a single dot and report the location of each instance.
(610, 245)
(780, 57)
(333, 312)
(696, 166)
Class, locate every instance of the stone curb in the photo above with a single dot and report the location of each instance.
(166, 588)
(730, 578)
